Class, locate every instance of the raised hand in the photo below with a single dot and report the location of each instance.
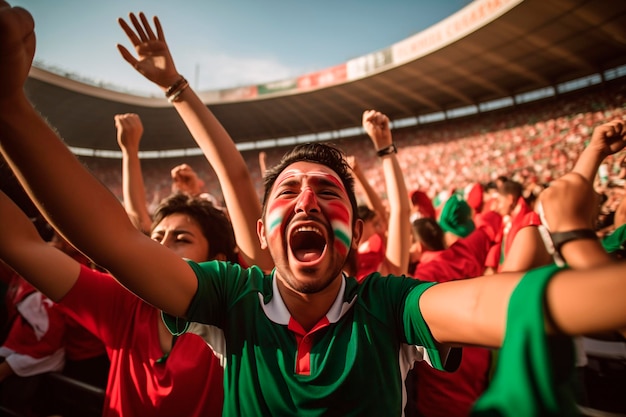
(17, 48)
(185, 179)
(376, 125)
(154, 60)
(606, 139)
(609, 138)
(129, 131)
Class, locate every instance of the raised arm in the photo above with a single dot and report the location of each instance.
(156, 64)
(528, 250)
(377, 127)
(262, 162)
(129, 132)
(75, 202)
(578, 301)
(373, 199)
(606, 140)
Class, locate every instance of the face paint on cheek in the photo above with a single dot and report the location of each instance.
(340, 222)
(275, 217)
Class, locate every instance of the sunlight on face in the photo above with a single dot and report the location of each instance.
(318, 190)
(182, 234)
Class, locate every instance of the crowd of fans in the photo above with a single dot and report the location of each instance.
(532, 144)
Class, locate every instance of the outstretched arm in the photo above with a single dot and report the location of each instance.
(156, 64)
(398, 241)
(74, 201)
(579, 301)
(129, 132)
(21, 247)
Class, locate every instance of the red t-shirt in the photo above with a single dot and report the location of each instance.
(452, 394)
(189, 382)
(370, 256)
(523, 217)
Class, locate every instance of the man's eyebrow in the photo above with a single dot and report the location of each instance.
(175, 231)
(289, 182)
(327, 180)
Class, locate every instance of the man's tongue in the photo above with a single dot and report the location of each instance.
(307, 255)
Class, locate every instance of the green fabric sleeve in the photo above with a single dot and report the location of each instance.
(535, 372)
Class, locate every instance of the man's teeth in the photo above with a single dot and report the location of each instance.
(309, 229)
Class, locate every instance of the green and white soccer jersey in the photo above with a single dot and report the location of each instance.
(353, 362)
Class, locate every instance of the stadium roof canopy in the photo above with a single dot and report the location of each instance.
(491, 49)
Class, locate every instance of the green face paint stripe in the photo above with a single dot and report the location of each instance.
(342, 236)
(275, 223)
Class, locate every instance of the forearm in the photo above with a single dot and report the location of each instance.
(242, 201)
(588, 163)
(58, 183)
(134, 190)
(585, 254)
(373, 199)
(399, 228)
(53, 273)
(88, 214)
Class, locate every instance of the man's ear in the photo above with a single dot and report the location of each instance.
(357, 232)
(417, 249)
(260, 231)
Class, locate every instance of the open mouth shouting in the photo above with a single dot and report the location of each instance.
(307, 243)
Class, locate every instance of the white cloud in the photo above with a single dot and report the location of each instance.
(224, 71)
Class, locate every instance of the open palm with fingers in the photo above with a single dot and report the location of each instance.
(154, 60)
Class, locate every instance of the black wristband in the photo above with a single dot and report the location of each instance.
(561, 238)
(387, 150)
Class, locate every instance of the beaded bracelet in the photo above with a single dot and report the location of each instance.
(175, 96)
(176, 89)
(172, 88)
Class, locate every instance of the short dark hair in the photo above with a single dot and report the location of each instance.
(318, 153)
(491, 185)
(512, 188)
(365, 213)
(215, 226)
(427, 231)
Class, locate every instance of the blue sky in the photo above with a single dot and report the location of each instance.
(227, 43)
